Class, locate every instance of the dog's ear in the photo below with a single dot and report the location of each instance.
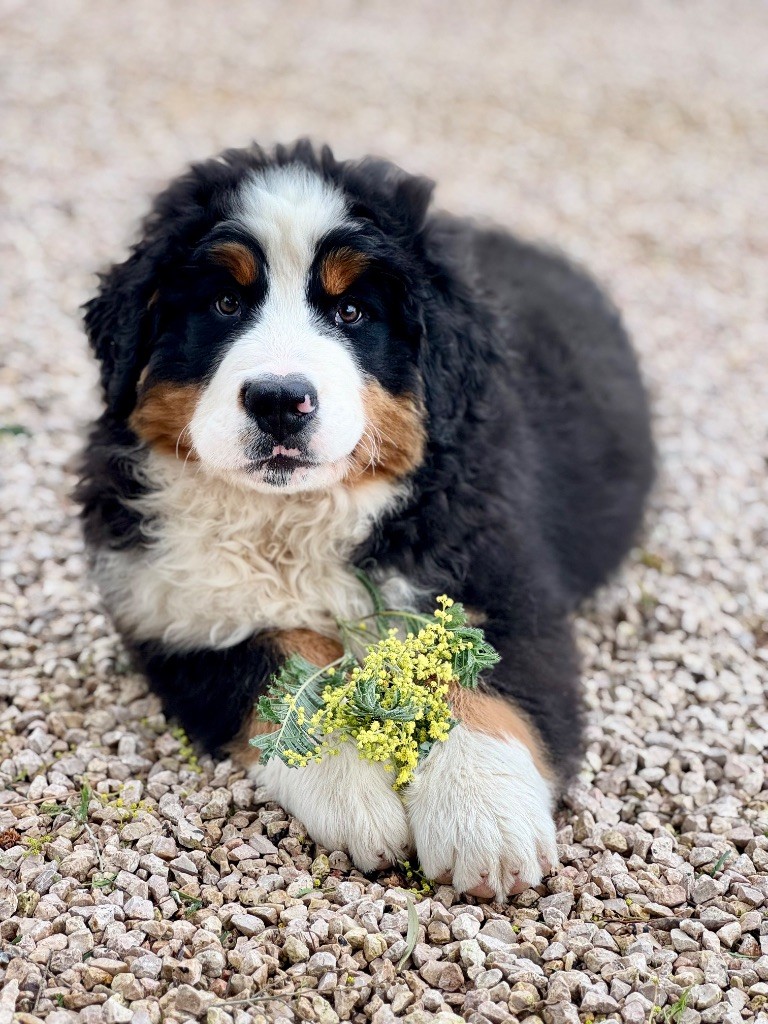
(118, 322)
(414, 195)
(409, 198)
(388, 196)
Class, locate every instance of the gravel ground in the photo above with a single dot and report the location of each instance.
(138, 884)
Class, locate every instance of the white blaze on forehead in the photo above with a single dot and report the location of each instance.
(288, 210)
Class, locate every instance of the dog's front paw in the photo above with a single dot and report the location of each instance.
(346, 803)
(481, 815)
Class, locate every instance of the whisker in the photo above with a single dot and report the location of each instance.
(178, 439)
(382, 437)
(189, 449)
(370, 445)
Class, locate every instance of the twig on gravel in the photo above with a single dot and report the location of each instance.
(81, 813)
(261, 998)
(46, 977)
(96, 847)
(266, 997)
(664, 923)
(23, 800)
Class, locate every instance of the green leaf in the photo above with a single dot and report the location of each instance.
(103, 881)
(373, 591)
(720, 862)
(54, 808)
(298, 685)
(192, 903)
(85, 799)
(14, 430)
(469, 663)
(365, 702)
(672, 1013)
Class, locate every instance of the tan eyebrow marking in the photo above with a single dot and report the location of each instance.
(342, 268)
(237, 259)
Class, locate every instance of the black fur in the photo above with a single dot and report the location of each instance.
(210, 692)
(539, 453)
(109, 484)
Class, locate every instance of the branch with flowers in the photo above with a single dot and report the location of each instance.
(387, 693)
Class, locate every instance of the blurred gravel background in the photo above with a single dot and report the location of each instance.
(136, 883)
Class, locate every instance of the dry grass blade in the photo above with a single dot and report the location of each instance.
(412, 933)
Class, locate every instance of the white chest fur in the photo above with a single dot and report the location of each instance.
(224, 562)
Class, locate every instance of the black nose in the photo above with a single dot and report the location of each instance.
(280, 405)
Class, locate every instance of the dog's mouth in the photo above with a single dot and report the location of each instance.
(280, 459)
(279, 466)
(281, 463)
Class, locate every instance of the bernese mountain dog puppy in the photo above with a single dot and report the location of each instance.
(307, 373)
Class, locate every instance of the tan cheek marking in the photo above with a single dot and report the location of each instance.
(394, 438)
(162, 416)
(238, 260)
(316, 648)
(340, 269)
(497, 717)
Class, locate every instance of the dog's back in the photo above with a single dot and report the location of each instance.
(572, 367)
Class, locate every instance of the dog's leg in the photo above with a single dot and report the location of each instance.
(210, 691)
(481, 812)
(346, 802)
(480, 806)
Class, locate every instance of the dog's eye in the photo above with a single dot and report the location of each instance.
(348, 313)
(228, 304)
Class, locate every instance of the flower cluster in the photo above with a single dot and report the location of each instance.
(393, 705)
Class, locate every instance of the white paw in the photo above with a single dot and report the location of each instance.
(481, 815)
(346, 803)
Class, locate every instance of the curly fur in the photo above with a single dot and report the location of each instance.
(515, 483)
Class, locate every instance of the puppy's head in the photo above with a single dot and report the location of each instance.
(266, 324)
